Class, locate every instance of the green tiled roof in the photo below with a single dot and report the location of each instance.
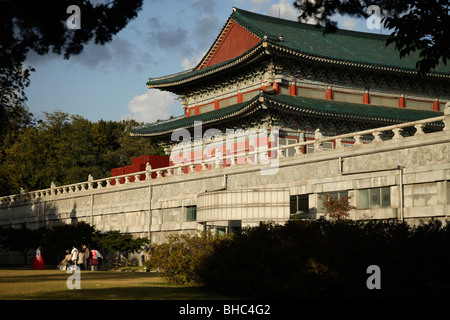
(166, 127)
(344, 47)
(193, 73)
(323, 107)
(299, 105)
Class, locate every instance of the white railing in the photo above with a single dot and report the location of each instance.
(228, 160)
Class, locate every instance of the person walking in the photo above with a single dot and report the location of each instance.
(80, 260)
(86, 254)
(66, 262)
(74, 255)
(94, 261)
(38, 260)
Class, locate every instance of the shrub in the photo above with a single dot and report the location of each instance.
(181, 257)
(335, 208)
(328, 259)
(311, 259)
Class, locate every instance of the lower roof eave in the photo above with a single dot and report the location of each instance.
(300, 106)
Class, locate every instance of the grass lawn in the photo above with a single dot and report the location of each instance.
(18, 284)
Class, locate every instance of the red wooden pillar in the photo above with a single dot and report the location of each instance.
(196, 109)
(293, 89)
(436, 105)
(366, 97)
(329, 93)
(276, 87)
(216, 104)
(240, 97)
(401, 101)
(188, 112)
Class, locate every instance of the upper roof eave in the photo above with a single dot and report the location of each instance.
(244, 19)
(193, 74)
(294, 104)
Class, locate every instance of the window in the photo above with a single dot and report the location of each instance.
(374, 198)
(288, 152)
(334, 195)
(191, 213)
(299, 204)
(206, 108)
(284, 90)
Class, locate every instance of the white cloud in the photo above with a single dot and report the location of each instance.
(284, 9)
(348, 23)
(190, 62)
(151, 106)
(258, 4)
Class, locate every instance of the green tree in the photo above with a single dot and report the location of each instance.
(40, 26)
(337, 208)
(56, 239)
(416, 25)
(66, 149)
(181, 258)
(124, 243)
(13, 82)
(20, 239)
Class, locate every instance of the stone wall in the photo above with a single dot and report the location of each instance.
(415, 169)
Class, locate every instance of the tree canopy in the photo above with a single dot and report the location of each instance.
(415, 25)
(124, 243)
(41, 26)
(65, 149)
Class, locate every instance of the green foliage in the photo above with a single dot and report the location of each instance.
(312, 259)
(59, 238)
(21, 239)
(65, 149)
(41, 28)
(335, 208)
(54, 240)
(415, 25)
(124, 243)
(181, 258)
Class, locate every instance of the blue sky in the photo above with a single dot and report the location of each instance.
(168, 36)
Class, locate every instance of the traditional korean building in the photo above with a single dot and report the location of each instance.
(265, 74)
(264, 89)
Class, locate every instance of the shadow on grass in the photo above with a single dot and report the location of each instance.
(123, 293)
(52, 275)
(101, 285)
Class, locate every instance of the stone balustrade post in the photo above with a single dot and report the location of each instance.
(90, 182)
(419, 129)
(447, 117)
(397, 133)
(148, 168)
(357, 140)
(376, 136)
(317, 144)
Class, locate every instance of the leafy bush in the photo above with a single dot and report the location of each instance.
(124, 243)
(181, 258)
(312, 259)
